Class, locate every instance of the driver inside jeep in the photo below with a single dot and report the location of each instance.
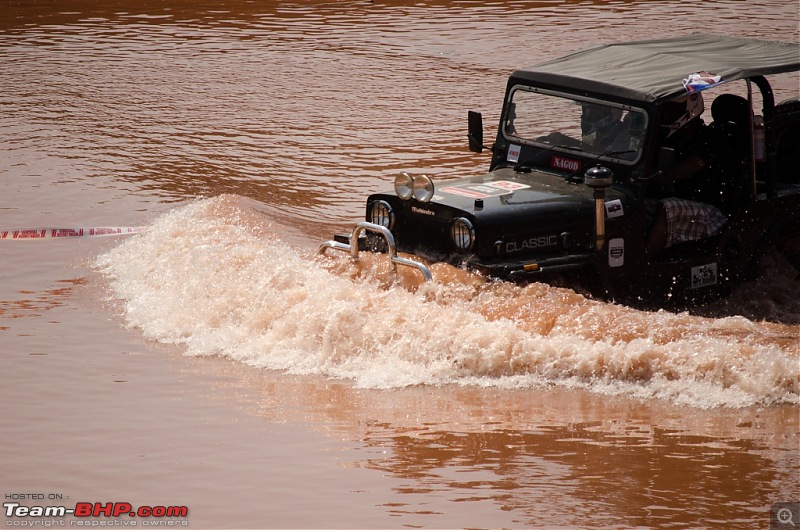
(604, 131)
(675, 219)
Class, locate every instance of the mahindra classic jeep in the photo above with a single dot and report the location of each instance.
(653, 173)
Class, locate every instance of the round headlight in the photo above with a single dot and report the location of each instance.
(404, 186)
(462, 233)
(381, 213)
(423, 188)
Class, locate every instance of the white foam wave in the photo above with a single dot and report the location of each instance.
(214, 277)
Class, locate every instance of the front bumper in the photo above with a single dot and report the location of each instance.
(368, 239)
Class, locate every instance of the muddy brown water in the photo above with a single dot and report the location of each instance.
(214, 362)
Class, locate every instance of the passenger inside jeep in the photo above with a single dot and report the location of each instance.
(604, 131)
(727, 145)
(682, 216)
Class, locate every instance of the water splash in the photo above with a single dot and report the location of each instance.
(215, 277)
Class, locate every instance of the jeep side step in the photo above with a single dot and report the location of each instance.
(354, 242)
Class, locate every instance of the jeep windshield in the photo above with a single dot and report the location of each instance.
(556, 121)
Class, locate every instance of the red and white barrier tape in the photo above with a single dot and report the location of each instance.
(28, 234)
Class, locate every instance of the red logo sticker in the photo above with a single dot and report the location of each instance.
(560, 162)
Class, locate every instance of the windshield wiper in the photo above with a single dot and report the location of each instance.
(615, 153)
(571, 177)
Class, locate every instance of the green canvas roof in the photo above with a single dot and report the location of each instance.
(655, 69)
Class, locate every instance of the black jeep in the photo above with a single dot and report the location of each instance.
(605, 175)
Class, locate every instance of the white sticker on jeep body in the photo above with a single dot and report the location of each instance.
(484, 190)
(704, 275)
(614, 209)
(616, 252)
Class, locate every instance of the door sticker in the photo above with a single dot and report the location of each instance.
(616, 252)
(614, 209)
(704, 275)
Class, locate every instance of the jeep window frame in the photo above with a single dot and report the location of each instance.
(509, 107)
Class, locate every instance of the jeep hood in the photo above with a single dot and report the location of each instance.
(505, 196)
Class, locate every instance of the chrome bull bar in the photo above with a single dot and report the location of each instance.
(352, 247)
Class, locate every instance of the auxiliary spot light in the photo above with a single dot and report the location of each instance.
(420, 187)
(404, 186)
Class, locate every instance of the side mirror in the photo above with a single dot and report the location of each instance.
(667, 169)
(475, 131)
